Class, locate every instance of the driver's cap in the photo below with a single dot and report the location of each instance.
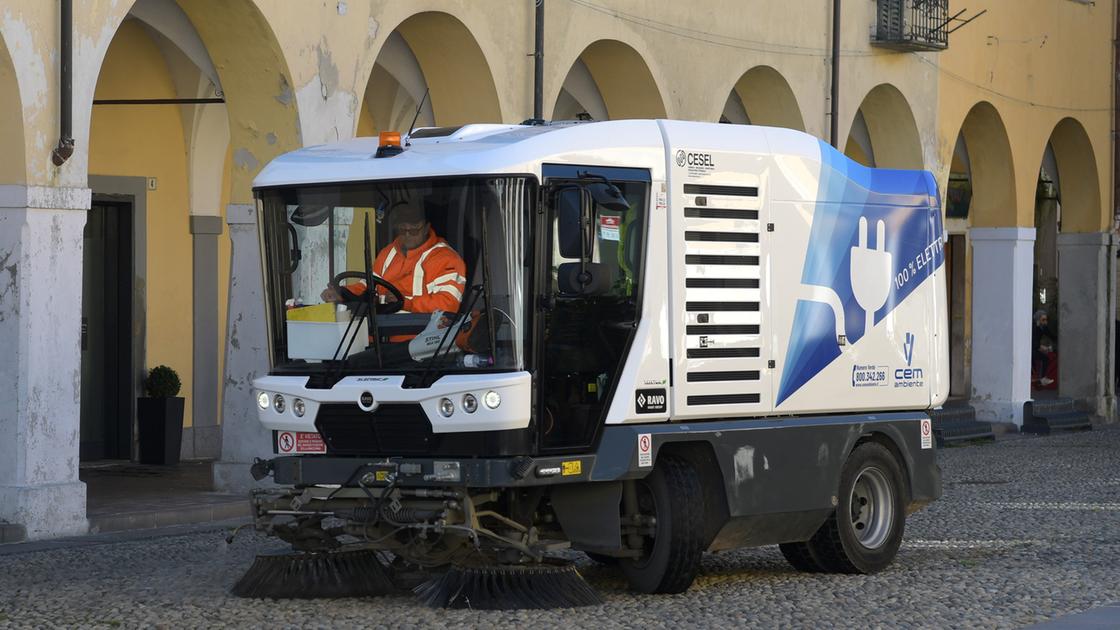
(408, 212)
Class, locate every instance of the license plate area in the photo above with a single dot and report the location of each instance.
(297, 443)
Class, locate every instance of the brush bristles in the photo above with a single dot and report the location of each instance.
(315, 575)
(509, 588)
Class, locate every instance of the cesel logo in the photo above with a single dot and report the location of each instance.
(694, 159)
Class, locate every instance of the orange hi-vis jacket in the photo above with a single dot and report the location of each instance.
(431, 277)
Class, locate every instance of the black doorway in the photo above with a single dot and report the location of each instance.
(959, 376)
(106, 340)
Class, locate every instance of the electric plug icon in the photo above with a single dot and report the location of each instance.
(871, 272)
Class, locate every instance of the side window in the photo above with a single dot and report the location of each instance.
(616, 240)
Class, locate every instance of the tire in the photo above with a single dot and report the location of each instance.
(801, 556)
(865, 531)
(672, 493)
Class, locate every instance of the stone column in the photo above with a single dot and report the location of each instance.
(204, 439)
(1002, 281)
(243, 437)
(1086, 266)
(40, 373)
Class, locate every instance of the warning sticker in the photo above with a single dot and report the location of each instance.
(927, 433)
(572, 468)
(290, 442)
(645, 450)
(662, 201)
(608, 227)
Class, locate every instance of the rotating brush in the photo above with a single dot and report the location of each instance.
(296, 575)
(509, 587)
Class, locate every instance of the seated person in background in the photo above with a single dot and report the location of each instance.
(1045, 370)
(422, 266)
(1042, 332)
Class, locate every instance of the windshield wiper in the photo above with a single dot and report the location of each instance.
(347, 339)
(366, 309)
(371, 301)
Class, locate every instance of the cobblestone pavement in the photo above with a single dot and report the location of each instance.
(1028, 530)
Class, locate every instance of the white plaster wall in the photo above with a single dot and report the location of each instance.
(1086, 328)
(40, 257)
(1002, 281)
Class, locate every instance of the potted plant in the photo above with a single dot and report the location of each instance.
(160, 418)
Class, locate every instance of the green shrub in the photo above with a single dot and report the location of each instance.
(162, 382)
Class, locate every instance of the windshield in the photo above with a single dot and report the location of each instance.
(404, 276)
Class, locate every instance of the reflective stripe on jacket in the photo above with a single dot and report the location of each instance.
(431, 277)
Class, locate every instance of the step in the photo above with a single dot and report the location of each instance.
(958, 424)
(1050, 406)
(214, 507)
(1043, 417)
(11, 532)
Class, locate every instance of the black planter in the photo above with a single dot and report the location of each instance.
(160, 423)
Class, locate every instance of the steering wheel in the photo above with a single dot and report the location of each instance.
(382, 309)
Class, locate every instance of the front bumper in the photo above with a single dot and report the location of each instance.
(301, 471)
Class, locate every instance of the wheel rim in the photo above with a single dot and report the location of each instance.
(872, 507)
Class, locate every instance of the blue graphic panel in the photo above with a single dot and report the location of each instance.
(906, 205)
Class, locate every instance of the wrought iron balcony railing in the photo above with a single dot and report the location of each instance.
(912, 25)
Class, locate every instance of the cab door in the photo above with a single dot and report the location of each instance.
(589, 283)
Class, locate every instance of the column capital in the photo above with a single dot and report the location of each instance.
(205, 224)
(241, 214)
(1021, 234)
(1086, 239)
(44, 197)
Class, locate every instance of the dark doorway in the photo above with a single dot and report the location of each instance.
(106, 339)
(958, 363)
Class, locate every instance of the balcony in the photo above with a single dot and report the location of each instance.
(912, 25)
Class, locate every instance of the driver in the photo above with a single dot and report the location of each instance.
(422, 266)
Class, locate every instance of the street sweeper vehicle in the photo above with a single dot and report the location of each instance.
(646, 340)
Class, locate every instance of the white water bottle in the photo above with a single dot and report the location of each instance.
(477, 361)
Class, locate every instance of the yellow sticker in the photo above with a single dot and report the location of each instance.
(381, 475)
(572, 468)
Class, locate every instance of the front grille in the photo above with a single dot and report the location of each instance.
(392, 429)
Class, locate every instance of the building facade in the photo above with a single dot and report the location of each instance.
(140, 249)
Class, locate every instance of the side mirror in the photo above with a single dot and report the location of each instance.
(569, 219)
(310, 215)
(608, 196)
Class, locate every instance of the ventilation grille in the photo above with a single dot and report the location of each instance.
(393, 429)
(722, 298)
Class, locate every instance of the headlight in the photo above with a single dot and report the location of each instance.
(298, 407)
(278, 403)
(262, 400)
(492, 399)
(470, 403)
(446, 407)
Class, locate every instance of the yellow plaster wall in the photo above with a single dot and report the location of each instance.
(1037, 62)
(147, 141)
(12, 167)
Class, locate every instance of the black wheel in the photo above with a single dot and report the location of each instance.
(673, 496)
(864, 533)
(801, 556)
